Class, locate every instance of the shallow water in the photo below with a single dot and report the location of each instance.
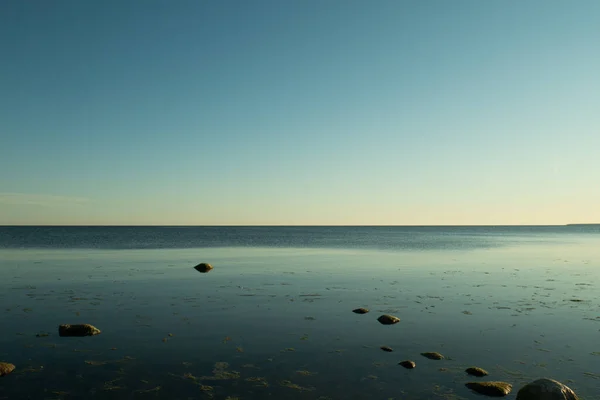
(281, 320)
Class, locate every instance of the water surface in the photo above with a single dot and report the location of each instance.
(274, 320)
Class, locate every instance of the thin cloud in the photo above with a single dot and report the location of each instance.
(45, 200)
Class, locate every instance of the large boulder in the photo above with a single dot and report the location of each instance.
(546, 389)
(78, 330)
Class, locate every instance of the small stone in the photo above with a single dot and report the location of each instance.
(6, 368)
(492, 388)
(432, 355)
(476, 371)
(203, 267)
(361, 310)
(78, 330)
(546, 389)
(388, 319)
(386, 348)
(407, 364)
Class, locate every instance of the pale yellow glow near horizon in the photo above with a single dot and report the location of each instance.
(579, 211)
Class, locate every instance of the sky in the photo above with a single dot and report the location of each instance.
(312, 112)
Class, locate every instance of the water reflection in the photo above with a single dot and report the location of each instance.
(279, 322)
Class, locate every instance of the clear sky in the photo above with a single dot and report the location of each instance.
(299, 112)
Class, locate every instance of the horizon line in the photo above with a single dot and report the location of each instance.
(292, 225)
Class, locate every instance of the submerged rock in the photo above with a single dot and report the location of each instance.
(78, 330)
(6, 368)
(546, 389)
(386, 348)
(476, 371)
(386, 319)
(360, 310)
(432, 355)
(203, 267)
(492, 388)
(407, 364)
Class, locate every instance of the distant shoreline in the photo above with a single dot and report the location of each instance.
(583, 225)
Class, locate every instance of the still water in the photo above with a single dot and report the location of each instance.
(274, 318)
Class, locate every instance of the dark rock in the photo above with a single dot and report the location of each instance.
(6, 368)
(407, 364)
(388, 319)
(361, 310)
(476, 371)
(432, 355)
(203, 267)
(492, 388)
(546, 389)
(386, 348)
(78, 330)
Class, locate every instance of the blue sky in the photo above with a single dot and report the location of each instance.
(299, 112)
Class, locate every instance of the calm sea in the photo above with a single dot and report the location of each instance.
(274, 318)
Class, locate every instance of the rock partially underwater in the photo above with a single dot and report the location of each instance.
(432, 355)
(203, 267)
(476, 371)
(6, 368)
(546, 389)
(78, 330)
(360, 310)
(492, 388)
(387, 319)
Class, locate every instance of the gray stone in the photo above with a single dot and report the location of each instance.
(546, 389)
